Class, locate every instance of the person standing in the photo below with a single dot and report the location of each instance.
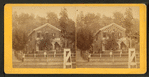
(45, 54)
(23, 56)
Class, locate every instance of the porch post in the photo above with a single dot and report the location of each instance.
(103, 47)
(37, 48)
(119, 45)
(53, 46)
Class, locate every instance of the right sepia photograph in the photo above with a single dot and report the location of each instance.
(107, 37)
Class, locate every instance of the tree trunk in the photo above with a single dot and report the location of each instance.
(65, 43)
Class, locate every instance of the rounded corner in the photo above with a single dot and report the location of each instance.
(5, 5)
(144, 71)
(5, 71)
(143, 4)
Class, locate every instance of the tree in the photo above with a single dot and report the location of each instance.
(40, 20)
(70, 30)
(105, 20)
(19, 39)
(118, 18)
(14, 19)
(135, 26)
(80, 20)
(90, 19)
(24, 21)
(63, 24)
(52, 19)
(128, 21)
(84, 39)
(67, 27)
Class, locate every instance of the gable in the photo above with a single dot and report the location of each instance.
(110, 28)
(113, 25)
(46, 26)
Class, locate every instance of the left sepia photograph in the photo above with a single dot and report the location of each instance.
(43, 37)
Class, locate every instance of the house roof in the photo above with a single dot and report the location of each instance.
(109, 26)
(47, 24)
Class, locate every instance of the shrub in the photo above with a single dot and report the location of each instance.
(19, 40)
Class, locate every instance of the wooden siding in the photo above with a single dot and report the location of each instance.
(97, 45)
(46, 29)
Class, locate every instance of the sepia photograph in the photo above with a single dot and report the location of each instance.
(108, 37)
(43, 37)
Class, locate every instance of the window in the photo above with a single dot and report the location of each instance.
(96, 37)
(104, 34)
(119, 35)
(53, 34)
(30, 38)
(47, 33)
(38, 34)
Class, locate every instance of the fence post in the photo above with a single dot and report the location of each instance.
(113, 58)
(131, 56)
(67, 56)
(100, 55)
(120, 53)
(34, 55)
(110, 54)
(54, 53)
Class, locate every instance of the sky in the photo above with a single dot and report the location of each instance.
(73, 11)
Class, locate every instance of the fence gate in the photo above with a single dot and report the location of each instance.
(67, 58)
(132, 58)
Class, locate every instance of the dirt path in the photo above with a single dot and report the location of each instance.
(79, 58)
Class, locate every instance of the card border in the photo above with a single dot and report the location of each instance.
(8, 69)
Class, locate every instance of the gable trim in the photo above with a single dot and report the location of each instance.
(47, 24)
(109, 26)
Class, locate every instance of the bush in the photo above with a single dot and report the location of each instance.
(19, 40)
(18, 55)
(84, 41)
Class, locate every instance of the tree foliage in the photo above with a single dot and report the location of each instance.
(128, 21)
(106, 20)
(118, 18)
(84, 38)
(90, 19)
(19, 39)
(52, 19)
(67, 27)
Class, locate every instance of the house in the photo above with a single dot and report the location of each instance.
(101, 36)
(37, 34)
